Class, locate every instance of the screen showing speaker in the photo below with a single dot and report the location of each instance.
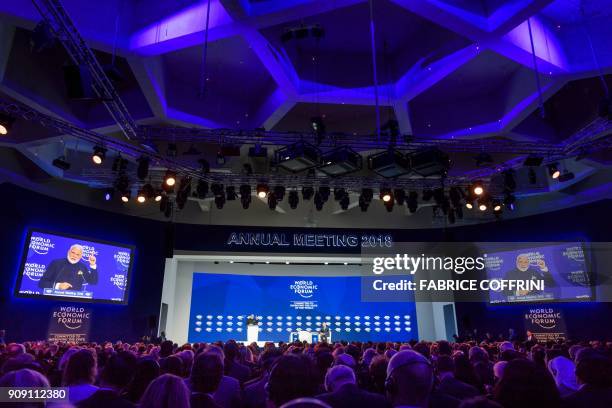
(562, 267)
(59, 266)
(286, 305)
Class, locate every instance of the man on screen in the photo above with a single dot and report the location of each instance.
(70, 273)
(525, 271)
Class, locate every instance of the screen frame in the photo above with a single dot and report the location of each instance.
(24, 257)
(588, 266)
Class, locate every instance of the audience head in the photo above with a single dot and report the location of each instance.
(207, 372)
(171, 365)
(445, 364)
(338, 376)
(166, 391)
(24, 378)
(409, 379)
(80, 368)
(346, 360)
(526, 384)
(595, 371)
(564, 372)
(291, 377)
(118, 370)
(166, 348)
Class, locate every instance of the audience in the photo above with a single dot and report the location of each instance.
(465, 374)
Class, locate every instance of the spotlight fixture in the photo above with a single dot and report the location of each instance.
(6, 123)
(220, 202)
(184, 191)
(279, 192)
(272, 201)
(386, 195)
(262, 190)
(201, 189)
(318, 127)
(220, 159)
(412, 202)
(119, 164)
(455, 194)
(533, 161)
(509, 200)
(143, 168)
(509, 180)
(158, 196)
(204, 166)
(141, 197)
(566, 176)
(318, 201)
(400, 196)
(553, 171)
(293, 199)
(125, 196)
(477, 188)
(345, 201)
(341, 161)
(307, 193)
(170, 178)
(61, 163)
(389, 205)
(482, 204)
(339, 193)
(367, 194)
(217, 189)
(469, 205)
(363, 203)
(497, 206)
(459, 212)
(324, 192)
(427, 194)
(99, 153)
(298, 157)
(245, 196)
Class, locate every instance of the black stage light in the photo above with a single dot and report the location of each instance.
(262, 190)
(79, 83)
(483, 203)
(509, 180)
(429, 162)
(247, 169)
(455, 196)
(438, 196)
(201, 189)
(339, 193)
(553, 170)
(119, 164)
(307, 193)
(141, 197)
(459, 212)
(42, 37)
(272, 201)
(298, 157)
(217, 189)
(509, 200)
(318, 201)
(363, 203)
(158, 196)
(345, 201)
(61, 163)
(220, 159)
(324, 192)
(318, 127)
(496, 205)
(142, 171)
(427, 194)
(368, 194)
(293, 199)
(230, 193)
(390, 163)
(412, 202)
(566, 176)
(389, 205)
(400, 196)
(469, 204)
(341, 161)
(184, 191)
(279, 193)
(483, 159)
(220, 201)
(98, 155)
(6, 123)
(245, 195)
(125, 196)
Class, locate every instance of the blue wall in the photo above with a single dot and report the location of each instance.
(28, 318)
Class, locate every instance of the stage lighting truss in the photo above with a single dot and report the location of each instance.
(341, 161)
(298, 157)
(389, 164)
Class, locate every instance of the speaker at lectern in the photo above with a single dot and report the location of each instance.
(252, 329)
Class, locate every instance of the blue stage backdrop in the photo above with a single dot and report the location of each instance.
(220, 304)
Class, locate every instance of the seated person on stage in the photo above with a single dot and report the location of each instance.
(324, 333)
(70, 273)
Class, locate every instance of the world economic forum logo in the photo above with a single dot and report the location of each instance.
(304, 288)
(41, 245)
(122, 258)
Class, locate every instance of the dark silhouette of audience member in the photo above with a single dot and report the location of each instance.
(79, 375)
(255, 391)
(291, 377)
(594, 375)
(378, 374)
(205, 379)
(343, 392)
(448, 384)
(479, 402)
(524, 384)
(116, 375)
(166, 391)
(409, 379)
(233, 368)
(146, 371)
(171, 365)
